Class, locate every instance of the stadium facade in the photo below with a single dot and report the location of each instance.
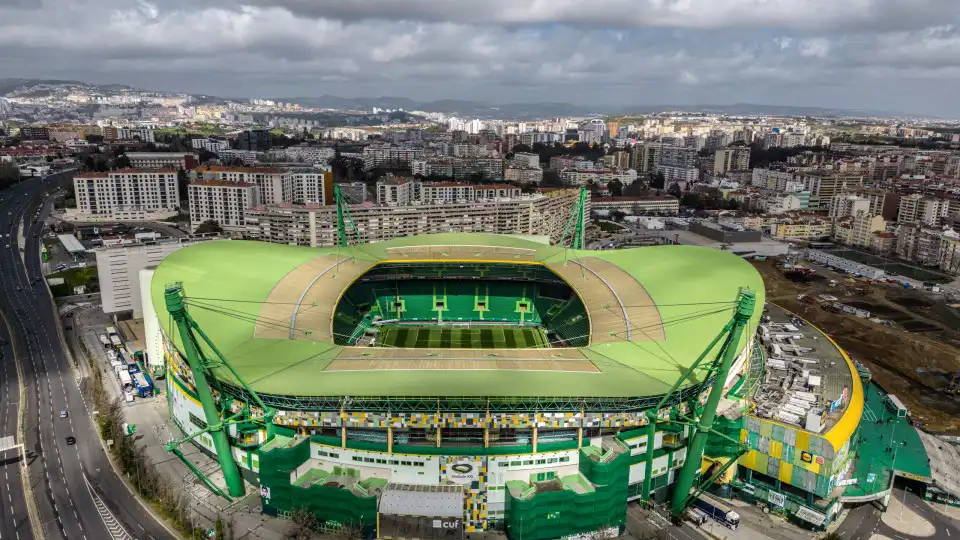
(470, 382)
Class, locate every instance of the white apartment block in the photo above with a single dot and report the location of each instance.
(275, 185)
(135, 134)
(432, 167)
(312, 186)
(450, 192)
(390, 156)
(397, 192)
(309, 154)
(129, 194)
(927, 211)
(526, 160)
(772, 179)
(559, 163)
(664, 206)
(221, 201)
(523, 175)
(575, 177)
(247, 157)
(543, 214)
(162, 160)
(210, 144)
(678, 174)
(823, 185)
(848, 205)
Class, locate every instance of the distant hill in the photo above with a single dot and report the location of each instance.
(465, 108)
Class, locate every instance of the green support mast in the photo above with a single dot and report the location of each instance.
(343, 216)
(703, 428)
(200, 365)
(576, 224)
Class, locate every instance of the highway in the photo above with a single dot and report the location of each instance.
(78, 495)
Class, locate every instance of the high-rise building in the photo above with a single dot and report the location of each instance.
(222, 202)
(676, 156)
(824, 185)
(257, 140)
(917, 208)
(731, 159)
(128, 194)
(34, 133)
(275, 185)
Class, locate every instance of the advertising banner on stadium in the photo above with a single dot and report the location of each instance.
(463, 470)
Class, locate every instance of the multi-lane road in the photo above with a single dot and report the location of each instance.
(78, 496)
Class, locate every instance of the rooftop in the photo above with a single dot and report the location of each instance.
(804, 372)
(221, 183)
(242, 276)
(225, 168)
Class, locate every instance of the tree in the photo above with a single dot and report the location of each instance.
(616, 188)
(551, 178)
(9, 174)
(658, 181)
(520, 148)
(675, 190)
(208, 226)
(304, 524)
(121, 162)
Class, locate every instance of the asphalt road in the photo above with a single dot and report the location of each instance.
(78, 495)
(866, 521)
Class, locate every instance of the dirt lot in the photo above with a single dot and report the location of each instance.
(913, 359)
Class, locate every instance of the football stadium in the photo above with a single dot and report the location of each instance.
(437, 385)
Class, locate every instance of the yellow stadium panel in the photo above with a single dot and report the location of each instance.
(744, 435)
(749, 459)
(786, 472)
(803, 440)
(776, 449)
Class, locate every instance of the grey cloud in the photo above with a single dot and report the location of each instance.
(502, 52)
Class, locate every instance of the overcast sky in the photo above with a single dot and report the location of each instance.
(893, 55)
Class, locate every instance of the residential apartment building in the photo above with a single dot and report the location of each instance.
(858, 230)
(617, 160)
(824, 185)
(311, 186)
(450, 192)
(661, 206)
(846, 204)
(390, 157)
(543, 213)
(525, 160)
(256, 140)
(645, 157)
(221, 201)
(575, 177)
(128, 194)
(950, 251)
(731, 159)
(678, 174)
(780, 203)
(810, 229)
(34, 133)
(773, 179)
(881, 202)
(917, 208)
(275, 185)
(210, 144)
(309, 154)
(678, 156)
(397, 191)
(920, 244)
(247, 157)
(523, 175)
(135, 134)
(162, 160)
(559, 163)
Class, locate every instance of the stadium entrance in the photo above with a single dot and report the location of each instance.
(461, 305)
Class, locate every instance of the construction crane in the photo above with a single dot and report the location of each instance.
(201, 364)
(575, 228)
(685, 490)
(344, 217)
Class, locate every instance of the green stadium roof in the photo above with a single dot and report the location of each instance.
(694, 289)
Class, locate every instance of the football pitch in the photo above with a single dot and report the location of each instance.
(447, 337)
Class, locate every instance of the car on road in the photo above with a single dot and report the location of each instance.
(19, 288)
(63, 413)
(8, 246)
(71, 440)
(68, 327)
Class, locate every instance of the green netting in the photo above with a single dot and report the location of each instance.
(563, 512)
(332, 505)
(724, 447)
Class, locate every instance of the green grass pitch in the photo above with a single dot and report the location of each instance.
(444, 337)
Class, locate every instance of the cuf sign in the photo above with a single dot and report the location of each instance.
(451, 524)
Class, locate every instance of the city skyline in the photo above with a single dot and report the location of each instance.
(864, 55)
